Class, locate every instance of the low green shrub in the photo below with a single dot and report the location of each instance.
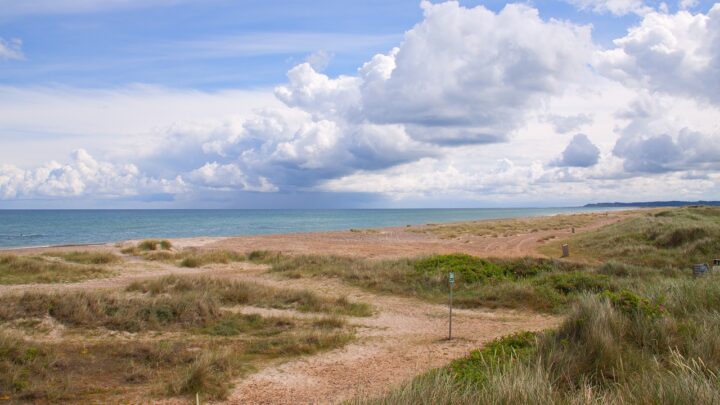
(633, 304)
(475, 367)
(576, 282)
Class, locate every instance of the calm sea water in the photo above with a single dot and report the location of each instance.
(21, 228)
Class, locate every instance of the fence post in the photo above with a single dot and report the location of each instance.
(565, 250)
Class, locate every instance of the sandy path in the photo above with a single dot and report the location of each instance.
(404, 338)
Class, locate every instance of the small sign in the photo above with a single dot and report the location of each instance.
(451, 277)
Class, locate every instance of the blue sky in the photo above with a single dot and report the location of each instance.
(218, 103)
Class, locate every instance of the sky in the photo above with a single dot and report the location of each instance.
(357, 104)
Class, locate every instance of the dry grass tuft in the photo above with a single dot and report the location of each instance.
(507, 227)
(242, 293)
(37, 269)
(85, 257)
(147, 245)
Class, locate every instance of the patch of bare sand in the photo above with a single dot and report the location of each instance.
(400, 242)
(404, 338)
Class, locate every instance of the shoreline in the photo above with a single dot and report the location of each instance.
(220, 238)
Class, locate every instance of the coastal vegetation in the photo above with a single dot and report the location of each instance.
(86, 257)
(507, 227)
(147, 245)
(176, 335)
(646, 334)
(195, 258)
(663, 239)
(163, 251)
(54, 268)
(544, 285)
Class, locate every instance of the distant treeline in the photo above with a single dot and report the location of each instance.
(653, 204)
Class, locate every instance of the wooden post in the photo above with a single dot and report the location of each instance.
(451, 279)
(565, 250)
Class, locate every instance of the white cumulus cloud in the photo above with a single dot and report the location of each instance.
(674, 53)
(82, 176)
(462, 75)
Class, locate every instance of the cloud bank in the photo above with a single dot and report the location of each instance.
(471, 104)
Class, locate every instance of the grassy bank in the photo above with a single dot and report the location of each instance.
(651, 339)
(54, 268)
(660, 239)
(538, 284)
(162, 250)
(508, 227)
(164, 337)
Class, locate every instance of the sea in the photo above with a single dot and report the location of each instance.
(32, 228)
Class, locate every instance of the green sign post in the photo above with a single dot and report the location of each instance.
(451, 279)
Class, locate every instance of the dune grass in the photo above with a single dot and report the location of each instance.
(86, 257)
(202, 258)
(184, 258)
(607, 351)
(38, 269)
(507, 227)
(187, 338)
(148, 245)
(641, 330)
(660, 239)
(529, 283)
(231, 292)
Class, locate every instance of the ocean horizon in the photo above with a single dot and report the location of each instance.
(39, 228)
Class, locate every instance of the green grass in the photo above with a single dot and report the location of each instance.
(671, 239)
(527, 283)
(38, 269)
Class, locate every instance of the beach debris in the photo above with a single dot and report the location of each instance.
(565, 250)
(700, 269)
